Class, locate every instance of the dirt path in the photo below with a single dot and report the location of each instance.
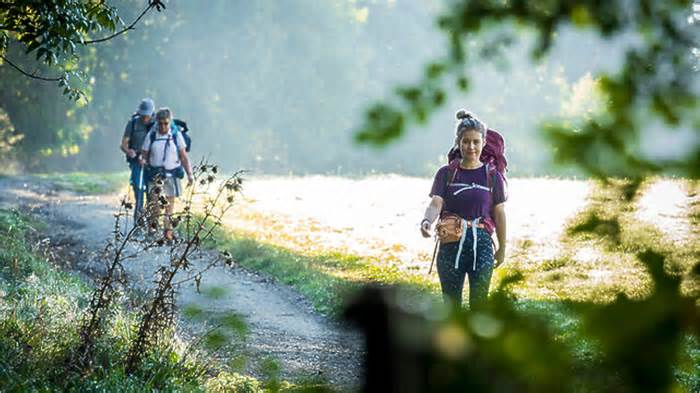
(281, 324)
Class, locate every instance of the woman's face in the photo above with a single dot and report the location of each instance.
(471, 144)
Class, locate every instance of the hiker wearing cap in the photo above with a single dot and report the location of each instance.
(164, 154)
(134, 133)
(468, 196)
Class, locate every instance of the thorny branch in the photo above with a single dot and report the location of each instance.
(159, 314)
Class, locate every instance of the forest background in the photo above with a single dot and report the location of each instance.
(279, 87)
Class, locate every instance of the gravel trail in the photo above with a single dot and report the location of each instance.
(281, 324)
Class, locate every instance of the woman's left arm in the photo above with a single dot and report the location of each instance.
(499, 215)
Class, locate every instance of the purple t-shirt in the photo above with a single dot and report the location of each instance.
(468, 193)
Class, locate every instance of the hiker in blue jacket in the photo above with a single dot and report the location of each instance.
(134, 133)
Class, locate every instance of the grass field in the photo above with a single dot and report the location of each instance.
(592, 266)
(591, 255)
(593, 260)
(41, 308)
(88, 183)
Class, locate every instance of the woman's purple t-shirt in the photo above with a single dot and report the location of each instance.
(468, 195)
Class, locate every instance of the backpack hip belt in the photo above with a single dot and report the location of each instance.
(177, 172)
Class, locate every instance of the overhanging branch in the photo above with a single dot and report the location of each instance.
(152, 4)
(30, 75)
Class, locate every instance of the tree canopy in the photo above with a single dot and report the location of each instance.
(657, 81)
(297, 76)
(52, 31)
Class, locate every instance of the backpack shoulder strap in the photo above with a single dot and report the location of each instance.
(490, 176)
(449, 178)
(174, 131)
(132, 124)
(452, 169)
(489, 179)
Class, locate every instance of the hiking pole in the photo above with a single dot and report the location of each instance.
(432, 261)
(139, 197)
(126, 215)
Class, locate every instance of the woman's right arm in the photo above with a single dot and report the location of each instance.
(431, 213)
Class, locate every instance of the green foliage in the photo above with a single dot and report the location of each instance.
(233, 322)
(656, 323)
(261, 48)
(233, 382)
(40, 307)
(270, 368)
(308, 129)
(37, 306)
(52, 31)
(629, 345)
(228, 327)
(602, 227)
(87, 183)
(40, 38)
(326, 279)
(559, 296)
(8, 137)
(214, 293)
(655, 82)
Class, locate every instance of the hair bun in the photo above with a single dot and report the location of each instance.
(463, 114)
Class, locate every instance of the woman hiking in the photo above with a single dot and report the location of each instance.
(164, 153)
(469, 198)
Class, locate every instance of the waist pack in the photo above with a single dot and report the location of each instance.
(151, 172)
(450, 228)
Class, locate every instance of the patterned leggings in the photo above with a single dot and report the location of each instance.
(452, 280)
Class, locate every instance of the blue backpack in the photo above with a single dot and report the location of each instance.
(182, 126)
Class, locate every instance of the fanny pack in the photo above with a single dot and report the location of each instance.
(150, 172)
(450, 227)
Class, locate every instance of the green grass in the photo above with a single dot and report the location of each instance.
(325, 278)
(598, 256)
(40, 310)
(88, 183)
(607, 227)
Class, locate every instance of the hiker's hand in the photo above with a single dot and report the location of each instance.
(190, 180)
(425, 228)
(131, 153)
(500, 256)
